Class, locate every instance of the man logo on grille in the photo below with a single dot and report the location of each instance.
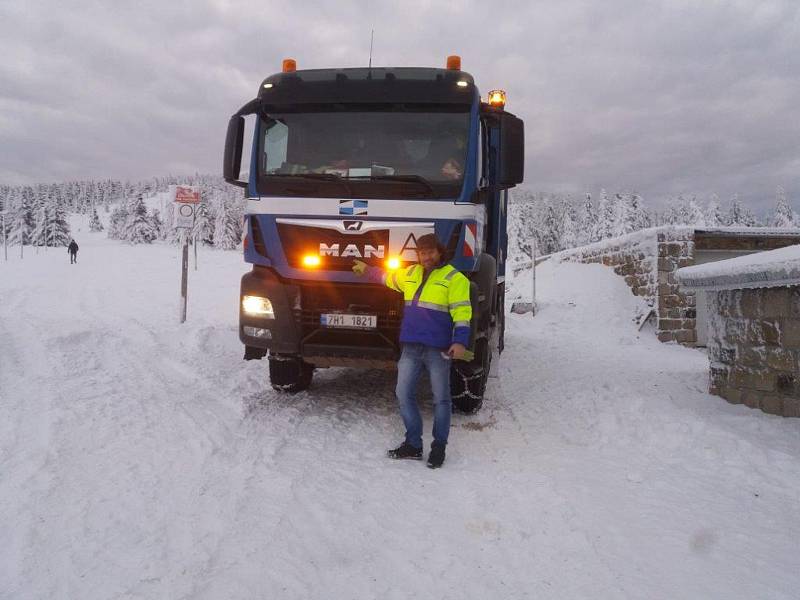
(352, 251)
(353, 225)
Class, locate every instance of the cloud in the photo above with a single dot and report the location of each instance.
(662, 97)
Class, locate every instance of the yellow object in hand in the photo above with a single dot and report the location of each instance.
(359, 267)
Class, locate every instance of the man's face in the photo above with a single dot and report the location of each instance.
(428, 257)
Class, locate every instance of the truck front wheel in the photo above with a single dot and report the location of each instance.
(288, 373)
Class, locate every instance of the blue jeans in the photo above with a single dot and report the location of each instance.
(409, 369)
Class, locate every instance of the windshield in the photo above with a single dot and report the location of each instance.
(359, 153)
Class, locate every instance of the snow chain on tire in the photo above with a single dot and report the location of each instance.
(467, 385)
(468, 380)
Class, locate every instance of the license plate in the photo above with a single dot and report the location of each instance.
(348, 321)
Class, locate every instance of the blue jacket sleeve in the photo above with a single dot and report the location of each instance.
(461, 336)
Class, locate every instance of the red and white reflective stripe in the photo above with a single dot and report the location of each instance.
(470, 233)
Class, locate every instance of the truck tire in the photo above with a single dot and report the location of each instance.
(468, 379)
(289, 373)
(486, 280)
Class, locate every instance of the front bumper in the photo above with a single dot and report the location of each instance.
(296, 328)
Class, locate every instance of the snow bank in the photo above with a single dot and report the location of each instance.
(144, 459)
(637, 238)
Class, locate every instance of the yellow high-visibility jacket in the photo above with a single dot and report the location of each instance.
(438, 310)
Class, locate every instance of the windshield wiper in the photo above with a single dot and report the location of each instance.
(318, 176)
(407, 178)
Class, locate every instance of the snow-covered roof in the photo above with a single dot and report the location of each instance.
(750, 231)
(773, 268)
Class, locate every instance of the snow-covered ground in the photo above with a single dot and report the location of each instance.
(141, 458)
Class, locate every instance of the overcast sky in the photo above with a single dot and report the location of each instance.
(661, 97)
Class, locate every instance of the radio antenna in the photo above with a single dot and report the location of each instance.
(371, 38)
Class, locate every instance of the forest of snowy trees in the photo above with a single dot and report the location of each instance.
(37, 215)
(559, 222)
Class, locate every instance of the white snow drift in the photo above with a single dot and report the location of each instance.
(143, 459)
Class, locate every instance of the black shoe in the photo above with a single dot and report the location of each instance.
(436, 457)
(405, 450)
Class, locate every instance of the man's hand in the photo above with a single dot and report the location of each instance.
(457, 351)
(359, 267)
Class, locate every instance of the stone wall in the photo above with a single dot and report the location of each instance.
(754, 348)
(676, 310)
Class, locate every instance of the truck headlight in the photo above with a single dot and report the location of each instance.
(257, 307)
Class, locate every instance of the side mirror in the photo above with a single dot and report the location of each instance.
(232, 160)
(512, 150)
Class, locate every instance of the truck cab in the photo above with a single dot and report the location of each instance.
(358, 163)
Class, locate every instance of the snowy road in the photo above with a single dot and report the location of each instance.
(144, 459)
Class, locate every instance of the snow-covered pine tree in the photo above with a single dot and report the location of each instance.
(228, 225)
(41, 218)
(203, 229)
(158, 225)
(735, 216)
(117, 223)
(569, 226)
(784, 215)
(713, 213)
(606, 217)
(631, 215)
(588, 221)
(694, 214)
(139, 227)
(19, 219)
(749, 219)
(550, 234)
(682, 215)
(521, 225)
(94, 222)
(672, 214)
(58, 231)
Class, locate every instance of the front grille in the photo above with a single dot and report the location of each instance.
(371, 246)
(320, 298)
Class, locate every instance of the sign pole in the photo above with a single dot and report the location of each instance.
(184, 275)
(5, 240)
(195, 253)
(184, 201)
(533, 274)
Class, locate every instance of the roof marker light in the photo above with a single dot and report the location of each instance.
(497, 98)
(462, 84)
(267, 85)
(289, 65)
(453, 62)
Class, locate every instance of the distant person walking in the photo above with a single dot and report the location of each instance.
(72, 249)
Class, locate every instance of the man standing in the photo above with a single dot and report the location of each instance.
(434, 331)
(72, 249)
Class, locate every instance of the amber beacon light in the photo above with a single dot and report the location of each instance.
(497, 98)
(454, 62)
(289, 65)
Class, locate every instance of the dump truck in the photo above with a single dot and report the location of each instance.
(358, 163)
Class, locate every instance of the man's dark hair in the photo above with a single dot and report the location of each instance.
(429, 241)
